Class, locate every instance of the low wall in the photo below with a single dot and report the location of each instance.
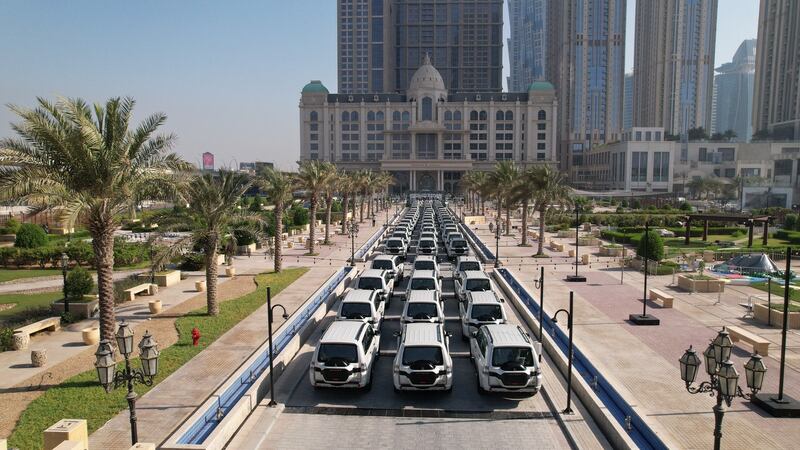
(213, 424)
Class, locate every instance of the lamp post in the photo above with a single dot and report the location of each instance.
(352, 230)
(644, 318)
(576, 278)
(111, 378)
(568, 409)
(270, 315)
(64, 267)
(152, 264)
(540, 285)
(497, 246)
(723, 377)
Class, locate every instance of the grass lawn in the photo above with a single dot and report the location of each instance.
(793, 307)
(82, 396)
(16, 274)
(777, 291)
(25, 301)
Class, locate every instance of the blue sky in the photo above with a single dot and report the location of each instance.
(227, 73)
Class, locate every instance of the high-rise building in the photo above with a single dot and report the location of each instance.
(627, 104)
(776, 98)
(733, 93)
(527, 44)
(464, 39)
(586, 63)
(674, 58)
(364, 46)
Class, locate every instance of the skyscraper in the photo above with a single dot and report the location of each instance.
(733, 93)
(586, 63)
(674, 54)
(364, 46)
(464, 39)
(776, 98)
(527, 45)
(627, 105)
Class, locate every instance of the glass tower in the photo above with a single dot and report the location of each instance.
(527, 45)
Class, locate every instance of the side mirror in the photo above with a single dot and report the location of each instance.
(502, 300)
(396, 334)
(473, 334)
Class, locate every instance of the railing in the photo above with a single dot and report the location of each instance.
(486, 254)
(363, 251)
(208, 422)
(623, 413)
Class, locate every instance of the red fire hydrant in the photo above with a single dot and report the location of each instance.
(195, 336)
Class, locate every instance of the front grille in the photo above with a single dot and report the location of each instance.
(422, 377)
(335, 374)
(515, 379)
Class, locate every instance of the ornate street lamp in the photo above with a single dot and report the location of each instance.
(723, 377)
(497, 245)
(644, 318)
(352, 230)
(568, 409)
(576, 278)
(270, 318)
(111, 378)
(64, 267)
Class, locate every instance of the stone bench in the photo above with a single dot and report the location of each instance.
(22, 335)
(760, 345)
(666, 299)
(556, 246)
(130, 294)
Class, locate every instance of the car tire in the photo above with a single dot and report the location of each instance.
(481, 390)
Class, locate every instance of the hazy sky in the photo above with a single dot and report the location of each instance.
(227, 73)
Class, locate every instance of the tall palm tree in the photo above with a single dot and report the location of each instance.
(278, 187)
(483, 187)
(385, 180)
(330, 189)
(550, 188)
(215, 201)
(362, 182)
(504, 178)
(313, 177)
(89, 164)
(346, 183)
(525, 190)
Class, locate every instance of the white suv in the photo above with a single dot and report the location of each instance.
(423, 358)
(506, 360)
(345, 356)
(363, 305)
(478, 309)
(423, 306)
(423, 280)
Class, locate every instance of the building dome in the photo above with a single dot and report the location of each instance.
(426, 78)
(315, 87)
(540, 86)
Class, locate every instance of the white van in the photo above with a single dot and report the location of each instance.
(363, 305)
(423, 306)
(506, 359)
(345, 356)
(423, 358)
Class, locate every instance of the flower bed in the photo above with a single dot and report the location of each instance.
(701, 283)
(775, 317)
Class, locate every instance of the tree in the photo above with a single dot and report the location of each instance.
(79, 283)
(504, 180)
(697, 134)
(330, 189)
(30, 235)
(729, 134)
(346, 187)
(525, 190)
(87, 164)
(550, 189)
(313, 176)
(278, 187)
(655, 246)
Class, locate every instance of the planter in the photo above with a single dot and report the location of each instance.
(566, 234)
(220, 259)
(91, 335)
(242, 249)
(168, 278)
(587, 241)
(762, 313)
(636, 264)
(21, 341)
(708, 256)
(230, 272)
(692, 285)
(154, 306)
(611, 251)
(38, 358)
(81, 309)
(200, 286)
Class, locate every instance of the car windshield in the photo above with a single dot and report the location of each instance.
(423, 284)
(337, 352)
(480, 284)
(413, 355)
(370, 283)
(486, 313)
(356, 310)
(505, 355)
(421, 310)
(382, 264)
(426, 244)
(470, 265)
(424, 265)
(394, 243)
(459, 243)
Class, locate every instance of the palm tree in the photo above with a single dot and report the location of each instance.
(362, 183)
(330, 189)
(90, 165)
(313, 177)
(278, 186)
(346, 183)
(549, 188)
(483, 186)
(215, 201)
(525, 190)
(505, 178)
(382, 181)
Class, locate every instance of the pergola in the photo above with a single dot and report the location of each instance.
(741, 219)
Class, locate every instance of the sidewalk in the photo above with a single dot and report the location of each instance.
(642, 362)
(53, 283)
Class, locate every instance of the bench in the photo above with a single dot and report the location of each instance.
(556, 246)
(666, 299)
(49, 324)
(130, 294)
(760, 345)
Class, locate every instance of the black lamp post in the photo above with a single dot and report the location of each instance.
(568, 409)
(576, 278)
(64, 267)
(723, 377)
(497, 246)
(352, 230)
(111, 378)
(644, 318)
(540, 285)
(285, 316)
(152, 265)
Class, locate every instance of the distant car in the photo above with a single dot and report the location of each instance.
(665, 233)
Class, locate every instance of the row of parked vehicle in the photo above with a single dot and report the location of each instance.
(399, 242)
(504, 355)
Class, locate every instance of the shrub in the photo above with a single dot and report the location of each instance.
(192, 262)
(790, 222)
(130, 253)
(244, 237)
(299, 216)
(655, 246)
(12, 226)
(81, 252)
(6, 339)
(685, 206)
(79, 283)
(30, 236)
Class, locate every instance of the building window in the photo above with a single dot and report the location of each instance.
(542, 115)
(639, 166)
(427, 108)
(314, 116)
(661, 166)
